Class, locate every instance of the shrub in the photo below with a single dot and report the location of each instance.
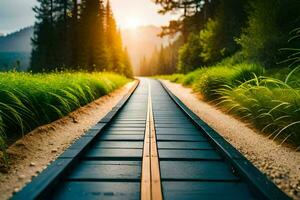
(177, 78)
(209, 80)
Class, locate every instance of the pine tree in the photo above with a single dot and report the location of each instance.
(161, 68)
(113, 38)
(63, 34)
(42, 55)
(59, 43)
(93, 50)
(143, 66)
(74, 34)
(127, 64)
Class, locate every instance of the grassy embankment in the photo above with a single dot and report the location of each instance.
(270, 101)
(28, 101)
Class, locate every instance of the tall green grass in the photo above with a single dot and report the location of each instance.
(270, 104)
(29, 100)
(208, 80)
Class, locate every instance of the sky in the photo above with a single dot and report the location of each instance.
(17, 14)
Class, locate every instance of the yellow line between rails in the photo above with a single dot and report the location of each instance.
(151, 182)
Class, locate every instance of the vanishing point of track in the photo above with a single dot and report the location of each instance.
(151, 147)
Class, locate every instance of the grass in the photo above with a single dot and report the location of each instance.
(30, 100)
(270, 104)
(269, 100)
(208, 80)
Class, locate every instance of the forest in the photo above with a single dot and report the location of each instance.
(242, 56)
(252, 31)
(70, 35)
(77, 56)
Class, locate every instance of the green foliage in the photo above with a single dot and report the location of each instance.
(253, 30)
(195, 14)
(27, 101)
(208, 38)
(270, 104)
(217, 36)
(177, 78)
(212, 79)
(93, 53)
(243, 36)
(73, 36)
(269, 24)
(215, 39)
(209, 80)
(189, 55)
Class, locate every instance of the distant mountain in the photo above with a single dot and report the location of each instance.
(14, 60)
(141, 42)
(15, 48)
(18, 41)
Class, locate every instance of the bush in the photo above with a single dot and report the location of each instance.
(190, 78)
(209, 80)
(212, 79)
(245, 72)
(176, 78)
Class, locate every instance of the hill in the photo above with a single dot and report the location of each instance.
(15, 50)
(18, 41)
(16, 46)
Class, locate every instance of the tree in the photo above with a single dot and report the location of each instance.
(189, 54)
(75, 44)
(63, 31)
(69, 35)
(113, 38)
(42, 56)
(143, 66)
(269, 24)
(118, 57)
(195, 14)
(218, 36)
(127, 64)
(93, 55)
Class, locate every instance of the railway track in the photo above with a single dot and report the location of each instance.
(151, 146)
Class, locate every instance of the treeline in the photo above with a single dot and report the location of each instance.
(241, 31)
(77, 35)
(162, 60)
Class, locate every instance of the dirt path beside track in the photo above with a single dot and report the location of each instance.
(33, 153)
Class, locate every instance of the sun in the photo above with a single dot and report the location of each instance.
(133, 22)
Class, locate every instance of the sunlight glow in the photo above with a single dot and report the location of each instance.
(132, 23)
